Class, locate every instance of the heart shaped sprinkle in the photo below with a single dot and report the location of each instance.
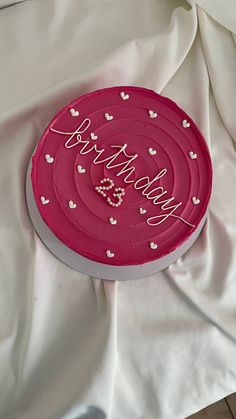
(142, 211)
(193, 155)
(110, 254)
(196, 200)
(112, 221)
(93, 136)
(185, 123)
(152, 151)
(124, 96)
(152, 114)
(71, 204)
(80, 169)
(73, 112)
(49, 158)
(153, 245)
(108, 116)
(44, 200)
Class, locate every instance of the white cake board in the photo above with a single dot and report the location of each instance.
(96, 269)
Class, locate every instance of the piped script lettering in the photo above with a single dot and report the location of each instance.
(144, 184)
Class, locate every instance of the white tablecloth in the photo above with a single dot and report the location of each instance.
(72, 346)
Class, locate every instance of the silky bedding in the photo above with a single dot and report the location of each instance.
(72, 346)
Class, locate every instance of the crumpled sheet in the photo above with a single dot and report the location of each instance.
(74, 347)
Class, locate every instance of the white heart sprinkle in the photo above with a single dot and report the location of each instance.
(108, 116)
(73, 112)
(152, 114)
(193, 155)
(124, 96)
(153, 245)
(49, 158)
(185, 123)
(44, 200)
(110, 254)
(152, 151)
(112, 221)
(93, 136)
(142, 211)
(80, 169)
(196, 200)
(71, 204)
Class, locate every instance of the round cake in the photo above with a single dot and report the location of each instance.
(119, 184)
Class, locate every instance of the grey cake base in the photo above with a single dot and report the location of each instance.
(95, 269)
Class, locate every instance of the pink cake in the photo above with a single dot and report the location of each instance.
(121, 181)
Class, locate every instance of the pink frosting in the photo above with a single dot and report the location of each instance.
(181, 152)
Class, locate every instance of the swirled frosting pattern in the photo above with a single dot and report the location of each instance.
(122, 176)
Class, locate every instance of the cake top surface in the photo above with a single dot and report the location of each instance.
(122, 176)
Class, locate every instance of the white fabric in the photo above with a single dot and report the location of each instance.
(72, 346)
